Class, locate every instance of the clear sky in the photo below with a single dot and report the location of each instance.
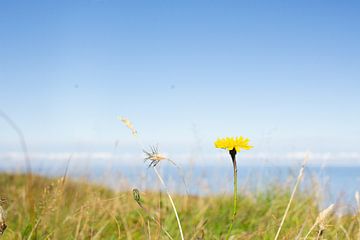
(283, 73)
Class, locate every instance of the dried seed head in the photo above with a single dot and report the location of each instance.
(357, 197)
(128, 124)
(154, 156)
(2, 220)
(324, 215)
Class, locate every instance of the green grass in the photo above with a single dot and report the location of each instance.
(53, 209)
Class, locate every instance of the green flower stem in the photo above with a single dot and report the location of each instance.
(233, 157)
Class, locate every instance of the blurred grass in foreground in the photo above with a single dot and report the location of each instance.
(79, 210)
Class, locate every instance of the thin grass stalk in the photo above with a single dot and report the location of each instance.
(159, 210)
(171, 201)
(148, 226)
(311, 229)
(301, 173)
(357, 198)
(345, 232)
(33, 229)
(117, 226)
(233, 153)
(23, 145)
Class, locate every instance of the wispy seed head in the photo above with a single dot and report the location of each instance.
(128, 124)
(324, 215)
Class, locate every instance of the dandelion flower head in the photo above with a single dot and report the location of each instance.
(230, 143)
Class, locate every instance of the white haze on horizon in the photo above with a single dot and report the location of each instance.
(130, 158)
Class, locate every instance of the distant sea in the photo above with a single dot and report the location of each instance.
(332, 183)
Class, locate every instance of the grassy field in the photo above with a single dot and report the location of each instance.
(59, 209)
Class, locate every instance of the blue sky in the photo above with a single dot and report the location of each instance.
(284, 73)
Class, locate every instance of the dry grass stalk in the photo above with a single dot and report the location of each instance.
(345, 232)
(357, 198)
(171, 201)
(299, 178)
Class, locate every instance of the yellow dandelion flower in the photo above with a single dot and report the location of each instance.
(231, 143)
